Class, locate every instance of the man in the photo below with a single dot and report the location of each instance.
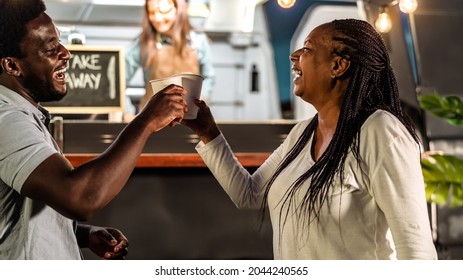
(41, 194)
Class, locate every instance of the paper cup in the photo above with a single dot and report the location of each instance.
(192, 83)
(160, 84)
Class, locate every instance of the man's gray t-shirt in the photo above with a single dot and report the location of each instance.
(28, 229)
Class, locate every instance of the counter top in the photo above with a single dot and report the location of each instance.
(174, 160)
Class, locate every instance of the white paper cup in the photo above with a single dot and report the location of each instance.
(192, 83)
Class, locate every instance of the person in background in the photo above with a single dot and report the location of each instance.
(168, 45)
(347, 183)
(41, 193)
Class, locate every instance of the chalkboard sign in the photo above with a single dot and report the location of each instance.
(95, 81)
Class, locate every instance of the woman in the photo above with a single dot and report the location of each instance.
(347, 183)
(168, 45)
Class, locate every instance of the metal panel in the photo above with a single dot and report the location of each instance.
(115, 15)
(69, 12)
(86, 13)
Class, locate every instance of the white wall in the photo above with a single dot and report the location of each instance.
(232, 98)
(311, 19)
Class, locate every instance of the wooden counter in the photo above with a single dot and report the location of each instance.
(252, 143)
(175, 160)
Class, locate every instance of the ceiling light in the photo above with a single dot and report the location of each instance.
(165, 6)
(383, 24)
(76, 38)
(408, 6)
(286, 3)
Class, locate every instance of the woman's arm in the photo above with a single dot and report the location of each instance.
(398, 188)
(132, 60)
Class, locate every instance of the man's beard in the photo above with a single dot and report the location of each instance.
(41, 90)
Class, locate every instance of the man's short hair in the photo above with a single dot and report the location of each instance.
(14, 16)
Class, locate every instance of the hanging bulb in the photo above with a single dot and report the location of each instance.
(383, 23)
(286, 3)
(408, 6)
(165, 6)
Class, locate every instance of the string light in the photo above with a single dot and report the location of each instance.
(165, 6)
(383, 24)
(408, 6)
(286, 3)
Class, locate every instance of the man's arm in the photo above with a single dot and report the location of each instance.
(79, 193)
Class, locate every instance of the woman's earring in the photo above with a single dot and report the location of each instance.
(333, 76)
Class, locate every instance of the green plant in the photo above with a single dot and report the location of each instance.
(443, 174)
(449, 108)
(443, 177)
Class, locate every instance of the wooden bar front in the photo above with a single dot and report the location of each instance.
(175, 160)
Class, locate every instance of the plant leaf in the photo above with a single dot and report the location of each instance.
(449, 108)
(443, 178)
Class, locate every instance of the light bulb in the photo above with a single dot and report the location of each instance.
(408, 6)
(165, 6)
(383, 23)
(286, 3)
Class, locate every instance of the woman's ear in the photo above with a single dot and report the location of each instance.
(340, 66)
(10, 66)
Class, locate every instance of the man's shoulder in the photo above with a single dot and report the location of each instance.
(12, 113)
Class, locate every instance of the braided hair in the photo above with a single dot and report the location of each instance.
(372, 86)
